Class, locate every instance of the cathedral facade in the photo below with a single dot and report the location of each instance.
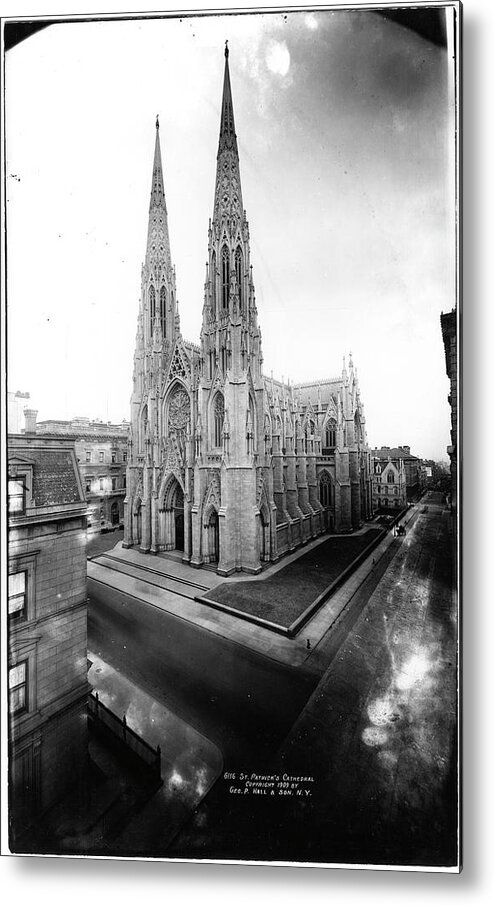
(226, 465)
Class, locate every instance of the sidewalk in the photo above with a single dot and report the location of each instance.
(190, 763)
(155, 588)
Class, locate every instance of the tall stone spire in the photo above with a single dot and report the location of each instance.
(158, 243)
(230, 296)
(228, 138)
(158, 293)
(228, 192)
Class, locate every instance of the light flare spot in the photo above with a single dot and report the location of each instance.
(311, 22)
(382, 711)
(387, 758)
(374, 736)
(413, 671)
(278, 58)
(176, 781)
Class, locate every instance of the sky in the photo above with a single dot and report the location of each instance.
(345, 127)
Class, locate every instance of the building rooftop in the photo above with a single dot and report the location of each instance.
(55, 475)
(393, 452)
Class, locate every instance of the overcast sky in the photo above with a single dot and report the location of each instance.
(345, 126)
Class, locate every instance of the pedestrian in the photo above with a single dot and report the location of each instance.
(308, 644)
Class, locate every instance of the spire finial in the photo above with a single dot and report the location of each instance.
(157, 121)
(226, 49)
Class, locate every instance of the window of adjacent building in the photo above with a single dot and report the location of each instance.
(113, 458)
(101, 455)
(101, 483)
(124, 456)
(124, 481)
(17, 496)
(18, 687)
(113, 483)
(17, 593)
(88, 455)
(88, 485)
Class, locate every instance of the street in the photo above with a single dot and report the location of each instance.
(242, 701)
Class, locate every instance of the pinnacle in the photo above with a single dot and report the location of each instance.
(228, 139)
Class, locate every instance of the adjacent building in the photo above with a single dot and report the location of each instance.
(16, 404)
(101, 450)
(227, 465)
(389, 488)
(449, 332)
(47, 639)
(412, 465)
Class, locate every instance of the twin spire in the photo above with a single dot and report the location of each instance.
(228, 138)
(157, 185)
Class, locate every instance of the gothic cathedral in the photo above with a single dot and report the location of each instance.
(226, 465)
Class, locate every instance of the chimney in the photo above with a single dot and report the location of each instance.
(30, 416)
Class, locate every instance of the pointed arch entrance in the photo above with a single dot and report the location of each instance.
(171, 516)
(137, 521)
(213, 537)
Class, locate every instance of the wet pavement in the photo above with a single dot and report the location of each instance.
(190, 763)
(378, 735)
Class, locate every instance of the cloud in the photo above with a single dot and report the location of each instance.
(278, 57)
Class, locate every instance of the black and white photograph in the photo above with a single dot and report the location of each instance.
(232, 454)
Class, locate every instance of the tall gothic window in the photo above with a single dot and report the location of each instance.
(325, 490)
(152, 308)
(213, 281)
(330, 435)
(390, 478)
(239, 273)
(142, 432)
(163, 309)
(225, 278)
(218, 419)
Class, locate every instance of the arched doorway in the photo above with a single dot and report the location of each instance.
(263, 535)
(178, 511)
(137, 526)
(171, 515)
(213, 534)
